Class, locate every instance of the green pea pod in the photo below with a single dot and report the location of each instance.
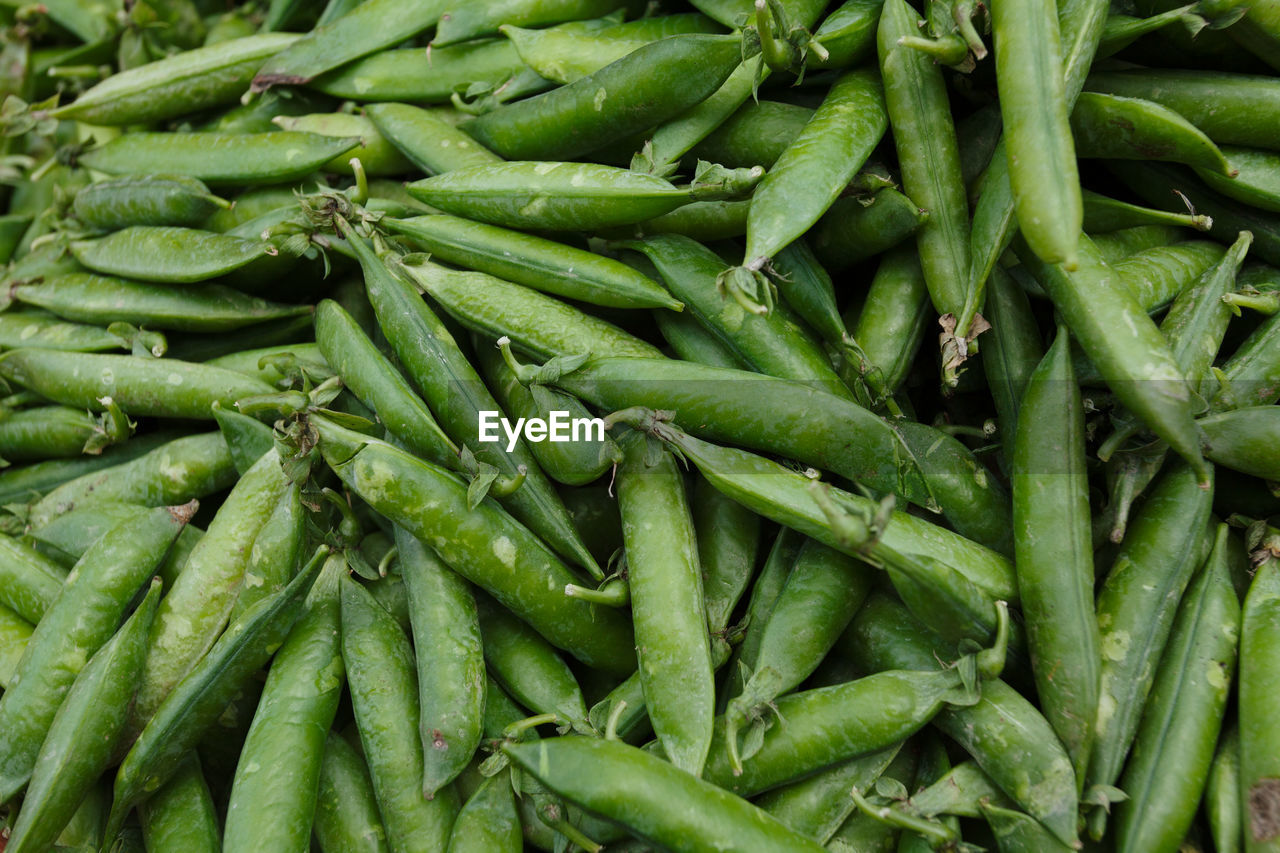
(101, 299)
(377, 155)
(1259, 754)
(542, 325)
(346, 819)
(140, 386)
(463, 23)
(1119, 128)
(483, 544)
(218, 158)
(1011, 352)
(146, 200)
(960, 791)
(183, 83)
(1115, 246)
(1251, 178)
(457, 396)
(202, 695)
(1222, 794)
(1243, 440)
(1016, 832)
(1136, 608)
(1157, 275)
(488, 821)
(808, 290)
(379, 666)
(44, 432)
(1103, 215)
(167, 253)
(816, 807)
(411, 75)
(42, 331)
(847, 34)
(925, 136)
(755, 135)
(196, 610)
(273, 796)
(370, 27)
(1173, 749)
(78, 747)
(765, 592)
(691, 341)
(852, 230)
(29, 581)
(180, 816)
(432, 144)
(728, 542)
(247, 438)
(80, 621)
(608, 105)
(1053, 549)
(1126, 346)
(15, 635)
(1197, 321)
(891, 322)
(663, 803)
(276, 552)
(1037, 133)
(861, 831)
(533, 261)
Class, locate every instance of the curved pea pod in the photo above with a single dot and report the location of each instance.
(195, 611)
(558, 196)
(847, 34)
(410, 74)
(1011, 351)
(808, 290)
(58, 431)
(678, 72)
(488, 822)
(1119, 128)
(202, 695)
(1103, 215)
(533, 261)
(891, 322)
(103, 299)
(80, 621)
(15, 634)
(429, 142)
(699, 220)
(484, 545)
(377, 155)
(728, 542)
(817, 807)
(167, 253)
(852, 231)
(1157, 275)
(1252, 177)
(279, 769)
(1004, 733)
(1166, 773)
(1126, 346)
(465, 22)
(1244, 440)
(78, 747)
(1230, 108)
(1136, 608)
(145, 200)
(277, 550)
(1259, 661)
(43, 331)
(1053, 549)
(183, 83)
(663, 803)
(346, 819)
(29, 581)
(755, 135)
(218, 158)
(180, 816)
(1222, 794)
(541, 325)
(691, 341)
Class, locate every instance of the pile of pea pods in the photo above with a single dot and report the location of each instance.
(472, 426)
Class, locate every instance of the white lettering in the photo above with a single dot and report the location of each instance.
(535, 429)
(488, 423)
(558, 427)
(559, 424)
(588, 424)
(513, 435)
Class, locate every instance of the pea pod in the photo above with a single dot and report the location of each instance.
(1011, 353)
(180, 816)
(218, 158)
(29, 581)
(891, 322)
(1119, 128)
(27, 483)
(463, 23)
(384, 697)
(1251, 179)
(409, 74)
(346, 819)
(145, 200)
(852, 231)
(756, 135)
(1103, 215)
(1243, 440)
(57, 431)
(432, 144)
(1259, 755)
(1157, 275)
(44, 331)
(15, 634)
(78, 623)
(691, 341)
(1222, 794)
(377, 155)
(808, 289)
(488, 821)
(166, 253)
(77, 748)
(817, 806)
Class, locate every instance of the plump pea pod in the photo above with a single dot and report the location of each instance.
(1126, 346)
(80, 621)
(891, 322)
(861, 831)
(384, 697)
(464, 22)
(273, 796)
(428, 141)
(1011, 351)
(1157, 275)
(180, 816)
(539, 324)
(185, 82)
(195, 611)
(1053, 549)
(277, 550)
(817, 806)
(167, 253)
(457, 396)
(1251, 376)
(1113, 127)
(1103, 215)
(765, 591)
(817, 166)
(1003, 732)
(808, 290)
(925, 136)
(1115, 246)
(1243, 440)
(15, 635)
(58, 431)
(608, 105)
(218, 158)
(346, 816)
(1252, 178)
(484, 544)
(145, 200)
(728, 542)
(1222, 794)
(1259, 752)
(409, 74)
(43, 331)
(756, 135)
(1037, 134)
(451, 683)
(585, 456)
(852, 231)
(140, 386)
(29, 581)
(102, 299)
(667, 601)
(772, 343)
(378, 156)
(488, 821)
(533, 261)
(662, 803)
(370, 27)
(203, 693)
(1173, 749)
(847, 34)
(247, 438)
(82, 734)
(691, 341)
(1136, 608)
(1236, 109)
